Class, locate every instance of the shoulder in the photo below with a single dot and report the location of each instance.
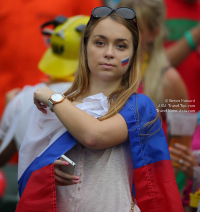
(141, 101)
(172, 75)
(174, 86)
(140, 113)
(140, 106)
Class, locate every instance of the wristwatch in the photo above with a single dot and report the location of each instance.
(55, 99)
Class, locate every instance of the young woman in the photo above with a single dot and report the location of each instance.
(107, 124)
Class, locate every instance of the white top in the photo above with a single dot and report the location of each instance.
(106, 175)
(105, 181)
(17, 113)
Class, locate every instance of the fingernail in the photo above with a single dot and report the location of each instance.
(77, 178)
(66, 163)
(76, 181)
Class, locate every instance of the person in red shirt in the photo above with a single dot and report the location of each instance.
(183, 43)
(183, 51)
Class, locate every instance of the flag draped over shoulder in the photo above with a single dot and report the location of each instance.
(154, 184)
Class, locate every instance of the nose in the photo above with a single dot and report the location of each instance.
(109, 53)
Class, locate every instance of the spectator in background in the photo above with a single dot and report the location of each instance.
(21, 46)
(60, 67)
(183, 41)
(183, 51)
(160, 80)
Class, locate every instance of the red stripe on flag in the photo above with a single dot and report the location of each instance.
(156, 188)
(40, 192)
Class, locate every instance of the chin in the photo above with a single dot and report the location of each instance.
(109, 78)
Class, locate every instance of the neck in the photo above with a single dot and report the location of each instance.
(99, 86)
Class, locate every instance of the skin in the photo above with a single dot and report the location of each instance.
(11, 94)
(180, 50)
(108, 44)
(189, 160)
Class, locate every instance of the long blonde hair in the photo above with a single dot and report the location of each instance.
(152, 14)
(130, 79)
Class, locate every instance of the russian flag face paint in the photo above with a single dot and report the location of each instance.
(125, 61)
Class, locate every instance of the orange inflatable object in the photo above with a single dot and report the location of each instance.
(22, 45)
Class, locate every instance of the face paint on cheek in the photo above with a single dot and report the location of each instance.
(125, 61)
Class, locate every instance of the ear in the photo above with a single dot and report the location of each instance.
(153, 35)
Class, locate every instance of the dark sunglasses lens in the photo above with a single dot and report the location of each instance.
(126, 13)
(101, 12)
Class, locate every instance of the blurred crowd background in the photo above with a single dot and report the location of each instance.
(39, 44)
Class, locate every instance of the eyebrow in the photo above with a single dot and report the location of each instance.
(118, 39)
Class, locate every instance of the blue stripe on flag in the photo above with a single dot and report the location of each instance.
(63, 144)
(148, 144)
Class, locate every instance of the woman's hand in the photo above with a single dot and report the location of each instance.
(62, 178)
(187, 161)
(41, 97)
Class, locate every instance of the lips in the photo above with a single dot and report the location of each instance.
(107, 65)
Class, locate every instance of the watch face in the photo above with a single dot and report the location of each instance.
(56, 97)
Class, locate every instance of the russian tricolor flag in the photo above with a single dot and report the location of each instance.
(125, 61)
(154, 184)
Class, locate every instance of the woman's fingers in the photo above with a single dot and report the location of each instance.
(181, 154)
(183, 163)
(184, 166)
(60, 163)
(185, 158)
(191, 157)
(182, 148)
(64, 182)
(62, 178)
(64, 175)
(40, 106)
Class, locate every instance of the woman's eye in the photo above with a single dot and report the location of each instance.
(100, 43)
(121, 46)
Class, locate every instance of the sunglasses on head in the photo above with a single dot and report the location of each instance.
(126, 13)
